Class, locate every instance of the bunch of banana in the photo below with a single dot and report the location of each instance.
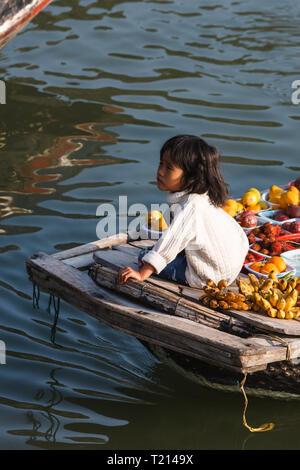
(278, 298)
(219, 296)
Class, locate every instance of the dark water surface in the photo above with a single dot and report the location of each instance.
(93, 90)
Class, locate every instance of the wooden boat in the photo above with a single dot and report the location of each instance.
(231, 345)
(15, 14)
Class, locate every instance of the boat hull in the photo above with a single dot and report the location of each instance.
(15, 14)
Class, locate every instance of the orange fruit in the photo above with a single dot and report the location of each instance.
(279, 263)
(269, 268)
(292, 196)
(275, 193)
(256, 208)
(232, 203)
(229, 210)
(240, 207)
(257, 266)
(289, 197)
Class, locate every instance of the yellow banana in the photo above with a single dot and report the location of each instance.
(254, 281)
(293, 282)
(272, 312)
(265, 304)
(281, 314)
(213, 303)
(282, 284)
(273, 276)
(295, 311)
(222, 284)
(289, 303)
(289, 315)
(280, 304)
(288, 290)
(274, 298)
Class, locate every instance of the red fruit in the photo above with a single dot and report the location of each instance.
(297, 183)
(256, 247)
(265, 251)
(287, 226)
(251, 238)
(265, 243)
(262, 236)
(248, 219)
(295, 227)
(281, 216)
(276, 248)
(293, 211)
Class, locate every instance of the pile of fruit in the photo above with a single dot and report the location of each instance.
(252, 257)
(219, 296)
(275, 265)
(286, 199)
(277, 298)
(281, 216)
(264, 239)
(249, 202)
(293, 227)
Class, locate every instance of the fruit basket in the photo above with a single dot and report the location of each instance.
(151, 234)
(253, 257)
(269, 247)
(293, 258)
(273, 195)
(290, 270)
(269, 216)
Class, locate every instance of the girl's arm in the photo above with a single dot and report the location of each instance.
(144, 272)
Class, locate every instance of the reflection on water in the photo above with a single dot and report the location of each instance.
(93, 90)
(61, 156)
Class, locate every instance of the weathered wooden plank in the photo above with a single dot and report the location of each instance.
(117, 239)
(143, 243)
(158, 297)
(256, 319)
(180, 334)
(283, 348)
(116, 259)
(128, 249)
(81, 261)
(265, 323)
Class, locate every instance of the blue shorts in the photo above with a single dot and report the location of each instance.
(174, 271)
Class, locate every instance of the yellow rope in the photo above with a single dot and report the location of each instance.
(263, 427)
(285, 343)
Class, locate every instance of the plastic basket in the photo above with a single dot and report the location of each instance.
(293, 259)
(289, 270)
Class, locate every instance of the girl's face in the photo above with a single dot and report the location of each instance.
(169, 176)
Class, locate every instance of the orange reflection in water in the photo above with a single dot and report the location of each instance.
(59, 156)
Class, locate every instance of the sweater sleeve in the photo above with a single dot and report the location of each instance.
(175, 239)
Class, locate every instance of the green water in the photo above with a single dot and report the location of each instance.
(93, 90)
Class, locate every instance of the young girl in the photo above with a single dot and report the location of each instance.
(202, 241)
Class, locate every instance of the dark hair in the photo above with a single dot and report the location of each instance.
(200, 164)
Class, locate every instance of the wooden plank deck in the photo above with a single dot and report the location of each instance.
(65, 275)
(123, 256)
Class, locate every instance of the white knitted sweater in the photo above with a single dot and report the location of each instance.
(215, 245)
